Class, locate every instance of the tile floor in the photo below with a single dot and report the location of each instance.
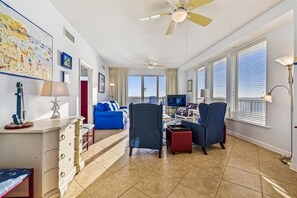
(242, 170)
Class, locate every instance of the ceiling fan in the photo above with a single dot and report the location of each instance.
(181, 11)
(154, 65)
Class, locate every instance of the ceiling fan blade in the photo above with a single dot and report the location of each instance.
(197, 3)
(154, 17)
(171, 28)
(199, 19)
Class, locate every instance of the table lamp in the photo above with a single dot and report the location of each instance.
(204, 93)
(52, 88)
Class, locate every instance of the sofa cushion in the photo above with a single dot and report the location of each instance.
(114, 106)
(101, 107)
(108, 106)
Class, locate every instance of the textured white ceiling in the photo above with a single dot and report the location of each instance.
(113, 30)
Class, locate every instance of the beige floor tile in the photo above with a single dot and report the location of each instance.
(278, 171)
(134, 193)
(240, 162)
(105, 156)
(117, 183)
(268, 156)
(81, 195)
(230, 190)
(172, 170)
(120, 163)
(110, 161)
(88, 175)
(73, 189)
(280, 189)
(202, 182)
(120, 148)
(182, 191)
(93, 150)
(242, 178)
(156, 185)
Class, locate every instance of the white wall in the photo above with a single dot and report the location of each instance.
(43, 14)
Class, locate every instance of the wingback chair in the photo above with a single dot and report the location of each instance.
(145, 130)
(210, 127)
(153, 100)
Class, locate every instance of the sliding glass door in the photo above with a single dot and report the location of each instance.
(149, 87)
(134, 89)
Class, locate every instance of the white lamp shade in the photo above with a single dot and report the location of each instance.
(204, 93)
(111, 84)
(286, 60)
(267, 98)
(52, 88)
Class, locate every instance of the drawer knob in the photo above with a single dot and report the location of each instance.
(69, 143)
(62, 174)
(62, 156)
(62, 137)
(69, 159)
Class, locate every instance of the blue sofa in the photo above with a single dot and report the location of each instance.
(109, 115)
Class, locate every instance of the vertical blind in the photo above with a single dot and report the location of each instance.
(251, 84)
(219, 71)
(201, 80)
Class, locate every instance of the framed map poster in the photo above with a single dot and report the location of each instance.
(26, 49)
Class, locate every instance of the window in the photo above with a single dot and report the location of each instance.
(140, 88)
(201, 82)
(219, 71)
(251, 84)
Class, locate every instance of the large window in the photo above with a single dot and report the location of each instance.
(251, 84)
(219, 72)
(140, 88)
(200, 82)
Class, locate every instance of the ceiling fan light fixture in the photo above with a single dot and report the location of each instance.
(150, 67)
(179, 15)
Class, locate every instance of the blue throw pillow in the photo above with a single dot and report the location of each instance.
(108, 106)
(101, 107)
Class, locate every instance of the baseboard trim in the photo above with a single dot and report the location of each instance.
(293, 167)
(261, 144)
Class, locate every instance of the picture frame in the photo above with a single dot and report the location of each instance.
(101, 83)
(189, 85)
(31, 54)
(66, 77)
(66, 60)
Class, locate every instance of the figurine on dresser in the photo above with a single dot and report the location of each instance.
(19, 118)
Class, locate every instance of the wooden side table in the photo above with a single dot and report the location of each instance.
(178, 139)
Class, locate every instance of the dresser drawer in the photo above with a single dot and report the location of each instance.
(67, 166)
(67, 135)
(51, 159)
(65, 152)
(50, 180)
(50, 141)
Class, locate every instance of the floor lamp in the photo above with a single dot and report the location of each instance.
(287, 61)
(111, 90)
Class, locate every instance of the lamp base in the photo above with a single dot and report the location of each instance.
(286, 160)
(55, 109)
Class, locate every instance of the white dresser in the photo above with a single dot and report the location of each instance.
(52, 147)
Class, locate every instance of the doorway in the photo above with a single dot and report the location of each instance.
(85, 91)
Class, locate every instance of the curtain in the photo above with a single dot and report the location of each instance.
(119, 76)
(171, 81)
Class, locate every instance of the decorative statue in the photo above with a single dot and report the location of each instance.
(20, 116)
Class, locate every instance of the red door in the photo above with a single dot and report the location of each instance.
(84, 99)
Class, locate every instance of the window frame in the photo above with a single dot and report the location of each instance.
(212, 76)
(204, 66)
(234, 98)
